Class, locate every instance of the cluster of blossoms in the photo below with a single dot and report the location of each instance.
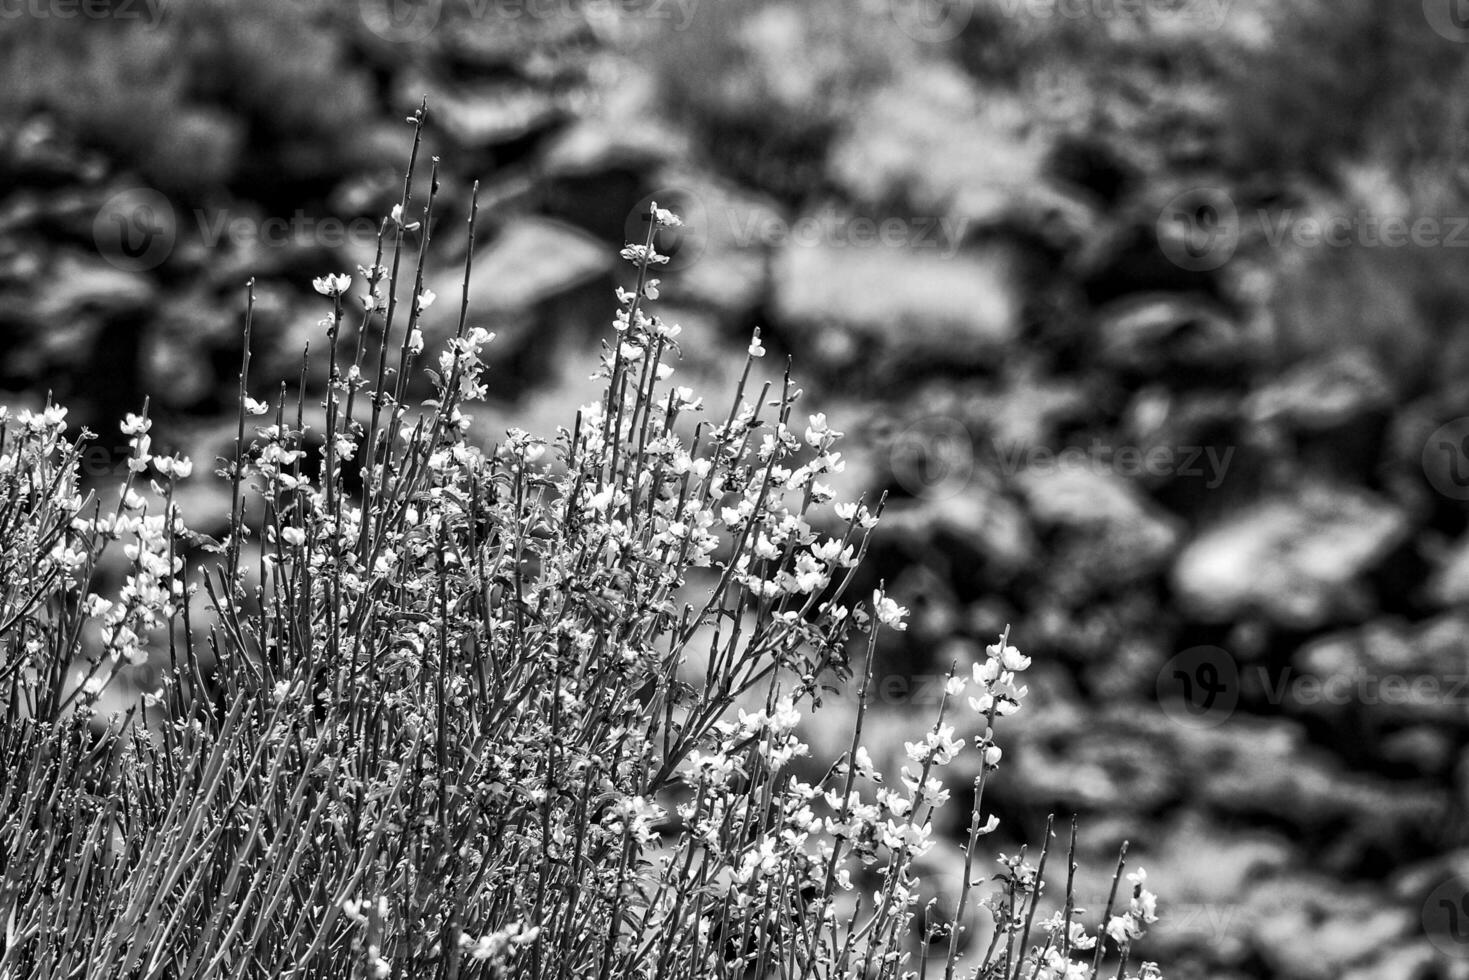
(531, 711)
(38, 500)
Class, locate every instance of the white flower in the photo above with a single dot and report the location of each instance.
(332, 285)
(1123, 929)
(943, 744)
(426, 299)
(1011, 658)
(889, 613)
(756, 348)
(176, 466)
(135, 425)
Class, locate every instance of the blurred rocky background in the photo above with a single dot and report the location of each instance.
(1151, 317)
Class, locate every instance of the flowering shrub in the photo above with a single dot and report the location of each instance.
(528, 712)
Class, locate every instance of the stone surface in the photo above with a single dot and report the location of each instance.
(1308, 927)
(530, 261)
(1118, 534)
(1336, 390)
(911, 310)
(1152, 333)
(1296, 559)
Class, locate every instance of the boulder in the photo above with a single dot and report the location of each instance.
(909, 310)
(1332, 391)
(530, 261)
(1307, 926)
(1296, 558)
(930, 138)
(1154, 334)
(1392, 671)
(1111, 528)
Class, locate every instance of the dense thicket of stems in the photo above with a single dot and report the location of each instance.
(523, 712)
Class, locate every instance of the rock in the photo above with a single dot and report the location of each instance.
(1206, 871)
(1392, 671)
(1449, 583)
(1413, 958)
(912, 311)
(1257, 768)
(530, 261)
(1186, 448)
(932, 139)
(983, 532)
(510, 41)
(1423, 750)
(1026, 411)
(1296, 559)
(1310, 927)
(77, 284)
(1122, 536)
(39, 153)
(622, 127)
(1157, 333)
(721, 252)
(1336, 390)
(483, 114)
(1097, 762)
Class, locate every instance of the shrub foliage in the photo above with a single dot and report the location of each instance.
(524, 712)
